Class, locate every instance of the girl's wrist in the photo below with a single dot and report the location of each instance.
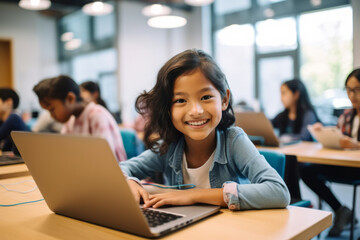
(212, 196)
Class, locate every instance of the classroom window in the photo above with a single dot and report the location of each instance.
(104, 27)
(100, 67)
(272, 72)
(226, 6)
(299, 39)
(274, 35)
(74, 28)
(235, 54)
(80, 33)
(326, 48)
(94, 56)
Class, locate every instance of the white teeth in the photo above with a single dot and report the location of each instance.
(197, 123)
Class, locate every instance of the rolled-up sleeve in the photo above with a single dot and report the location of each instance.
(230, 194)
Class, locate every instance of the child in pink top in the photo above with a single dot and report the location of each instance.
(61, 97)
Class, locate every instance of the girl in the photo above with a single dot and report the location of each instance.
(298, 113)
(189, 112)
(314, 175)
(292, 124)
(61, 97)
(90, 92)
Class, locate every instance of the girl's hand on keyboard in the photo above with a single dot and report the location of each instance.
(177, 197)
(138, 191)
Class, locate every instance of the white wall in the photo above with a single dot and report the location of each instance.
(143, 50)
(34, 49)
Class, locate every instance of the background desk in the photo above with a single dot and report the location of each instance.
(36, 221)
(313, 152)
(15, 170)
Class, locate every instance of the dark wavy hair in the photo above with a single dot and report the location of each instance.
(57, 88)
(93, 88)
(303, 105)
(354, 73)
(155, 105)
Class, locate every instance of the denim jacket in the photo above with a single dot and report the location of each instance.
(248, 181)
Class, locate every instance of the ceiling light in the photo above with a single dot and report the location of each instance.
(198, 2)
(35, 4)
(156, 10)
(72, 44)
(67, 36)
(315, 3)
(167, 21)
(97, 8)
(269, 13)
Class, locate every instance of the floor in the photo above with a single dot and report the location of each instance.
(344, 194)
(345, 235)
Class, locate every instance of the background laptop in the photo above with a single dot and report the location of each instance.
(257, 124)
(79, 177)
(8, 158)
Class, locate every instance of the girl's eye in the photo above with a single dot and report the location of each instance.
(179, 101)
(207, 97)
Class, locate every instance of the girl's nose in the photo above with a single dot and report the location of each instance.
(196, 109)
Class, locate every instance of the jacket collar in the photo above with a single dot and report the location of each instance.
(175, 157)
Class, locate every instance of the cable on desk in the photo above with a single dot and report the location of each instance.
(20, 203)
(14, 190)
(23, 192)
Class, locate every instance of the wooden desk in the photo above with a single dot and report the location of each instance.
(36, 221)
(313, 152)
(15, 170)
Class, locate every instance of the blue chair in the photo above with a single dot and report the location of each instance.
(277, 161)
(31, 123)
(132, 144)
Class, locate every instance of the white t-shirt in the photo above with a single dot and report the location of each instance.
(197, 176)
(355, 127)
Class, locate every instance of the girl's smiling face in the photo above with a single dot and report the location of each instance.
(197, 106)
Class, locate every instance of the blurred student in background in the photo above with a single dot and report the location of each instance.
(292, 125)
(298, 112)
(10, 121)
(90, 92)
(314, 174)
(61, 97)
(46, 123)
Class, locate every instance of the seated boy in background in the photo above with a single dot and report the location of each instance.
(61, 97)
(10, 121)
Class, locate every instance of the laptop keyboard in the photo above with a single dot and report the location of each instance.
(156, 218)
(7, 160)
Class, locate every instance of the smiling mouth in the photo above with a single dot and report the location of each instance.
(197, 123)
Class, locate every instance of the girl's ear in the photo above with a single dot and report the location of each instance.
(71, 97)
(225, 100)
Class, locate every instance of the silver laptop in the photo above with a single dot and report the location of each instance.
(80, 178)
(257, 124)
